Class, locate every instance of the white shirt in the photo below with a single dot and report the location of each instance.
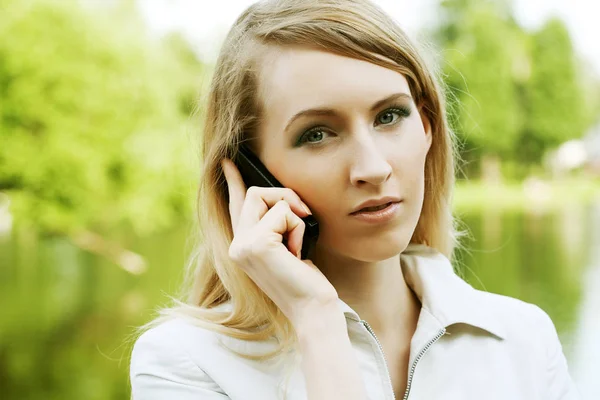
(468, 344)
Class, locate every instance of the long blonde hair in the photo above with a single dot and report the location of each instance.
(352, 28)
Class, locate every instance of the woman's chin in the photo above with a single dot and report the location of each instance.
(366, 248)
(379, 251)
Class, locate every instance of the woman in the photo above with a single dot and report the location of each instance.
(337, 103)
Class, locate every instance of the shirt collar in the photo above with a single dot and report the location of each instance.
(443, 294)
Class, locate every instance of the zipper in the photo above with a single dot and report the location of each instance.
(366, 325)
(414, 364)
(421, 353)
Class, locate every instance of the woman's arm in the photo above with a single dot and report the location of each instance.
(328, 362)
(160, 371)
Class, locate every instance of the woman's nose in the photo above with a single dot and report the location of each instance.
(369, 163)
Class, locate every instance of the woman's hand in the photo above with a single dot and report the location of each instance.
(260, 218)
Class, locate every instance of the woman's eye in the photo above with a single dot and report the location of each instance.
(392, 115)
(313, 136)
(387, 118)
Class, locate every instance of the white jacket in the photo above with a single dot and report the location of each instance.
(468, 344)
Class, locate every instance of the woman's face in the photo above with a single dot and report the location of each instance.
(367, 141)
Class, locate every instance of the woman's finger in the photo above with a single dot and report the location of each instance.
(259, 200)
(281, 219)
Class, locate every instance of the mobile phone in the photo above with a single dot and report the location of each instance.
(254, 173)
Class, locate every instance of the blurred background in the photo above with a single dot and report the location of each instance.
(99, 167)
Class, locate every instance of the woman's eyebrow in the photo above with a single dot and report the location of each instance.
(325, 111)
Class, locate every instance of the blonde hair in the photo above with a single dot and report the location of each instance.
(352, 28)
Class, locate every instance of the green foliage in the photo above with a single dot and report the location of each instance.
(483, 58)
(513, 94)
(93, 119)
(555, 111)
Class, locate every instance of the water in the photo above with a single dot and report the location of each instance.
(66, 313)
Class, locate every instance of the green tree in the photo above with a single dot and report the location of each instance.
(94, 119)
(553, 94)
(484, 59)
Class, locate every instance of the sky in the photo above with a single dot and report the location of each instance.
(203, 22)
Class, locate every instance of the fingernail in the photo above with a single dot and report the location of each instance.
(306, 208)
(298, 254)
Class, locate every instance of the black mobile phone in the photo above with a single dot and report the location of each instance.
(254, 173)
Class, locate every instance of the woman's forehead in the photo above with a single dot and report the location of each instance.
(301, 78)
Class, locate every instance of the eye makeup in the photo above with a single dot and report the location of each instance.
(401, 110)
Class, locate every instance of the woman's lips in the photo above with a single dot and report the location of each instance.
(386, 214)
